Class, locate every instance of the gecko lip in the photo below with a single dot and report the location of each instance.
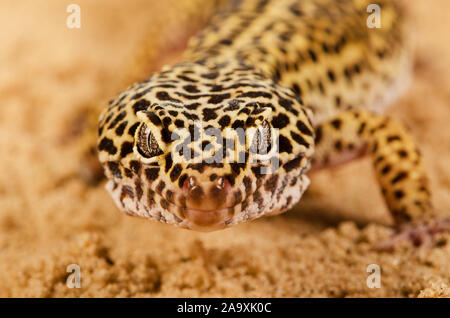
(206, 220)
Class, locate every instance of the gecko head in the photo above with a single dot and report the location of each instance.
(193, 148)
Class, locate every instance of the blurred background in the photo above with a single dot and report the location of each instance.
(51, 75)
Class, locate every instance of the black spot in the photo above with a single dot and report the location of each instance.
(304, 129)
(181, 180)
(236, 167)
(164, 204)
(257, 172)
(120, 129)
(338, 101)
(186, 78)
(191, 89)
(135, 166)
(138, 187)
(245, 110)
(154, 119)
(361, 129)
(348, 74)
(127, 191)
(179, 123)
(233, 105)
(226, 42)
(152, 174)
(293, 164)
(116, 120)
(127, 148)
(285, 144)
(256, 94)
(321, 87)
(386, 169)
(375, 147)
(318, 135)
(192, 106)
(114, 168)
(141, 105)
(100, 130)
(287, 104)
(132, 129)
(165, 96)
(238, 124)
(150, 200)
(280, 121)
(313, 55)
(402, 154)
(399, 194)
(399, 177)
(176, 171)
(166, 135)
(224, 121)
(296, 88)
(295, 10)
(247, 184)
(271, 183)
(338, 145)
(392, 138)
(170, 196)
(107, 145)
(169, 161)
(378, 160)
(331, 76)
(128, 173)
(216, 99)
(167, 121)
(160, 187)
(336, 123)
(299, 139)
(216, 88)
(212, 75)
(209, 114)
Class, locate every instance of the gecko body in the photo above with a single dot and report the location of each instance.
(306, 81)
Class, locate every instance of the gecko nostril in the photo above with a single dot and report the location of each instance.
(188, 184)
(222, 184)
(191, 182)
(193, 190)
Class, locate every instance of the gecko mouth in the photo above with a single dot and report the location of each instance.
(212, 210)
(207, 220)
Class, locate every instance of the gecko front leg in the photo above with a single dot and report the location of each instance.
(398, 166)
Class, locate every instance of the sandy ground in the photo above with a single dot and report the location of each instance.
(49, 218)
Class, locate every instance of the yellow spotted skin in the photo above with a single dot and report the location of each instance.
(309, 78)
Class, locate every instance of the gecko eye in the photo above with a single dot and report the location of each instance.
(261, 143)
(147, 145)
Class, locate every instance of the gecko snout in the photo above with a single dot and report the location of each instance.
(207, 202)
(206, 195)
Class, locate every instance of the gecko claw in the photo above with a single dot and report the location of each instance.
(421, 235)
